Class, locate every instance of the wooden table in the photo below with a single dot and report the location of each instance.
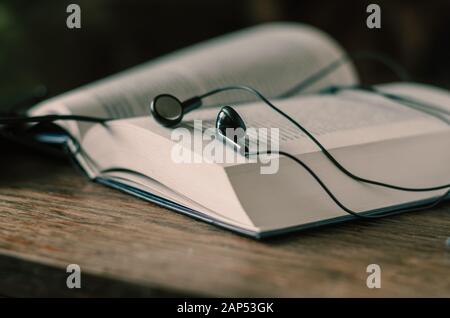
(51, 216)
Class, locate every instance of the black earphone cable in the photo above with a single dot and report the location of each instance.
(432, 110)
(396, 68)
(49, 119)
(322, 184)
(321, 147)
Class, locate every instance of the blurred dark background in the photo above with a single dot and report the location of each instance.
(37, 47)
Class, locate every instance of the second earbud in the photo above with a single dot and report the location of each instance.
(169, 110)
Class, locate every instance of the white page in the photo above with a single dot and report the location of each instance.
(272, 58)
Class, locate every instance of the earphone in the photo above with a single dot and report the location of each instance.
(229, 118)
(169, 111)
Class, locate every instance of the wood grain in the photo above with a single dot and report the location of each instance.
(51, 216)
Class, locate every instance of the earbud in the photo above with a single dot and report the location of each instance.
(229, 118)
(232, 130)
(169, 110)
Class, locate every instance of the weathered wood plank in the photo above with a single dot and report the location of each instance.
(50, 217)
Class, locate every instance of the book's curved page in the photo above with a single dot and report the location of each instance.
(272, 58)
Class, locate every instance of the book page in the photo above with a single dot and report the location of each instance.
(271, 58)
(348, 118)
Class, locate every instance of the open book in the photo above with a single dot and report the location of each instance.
(371, 136)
